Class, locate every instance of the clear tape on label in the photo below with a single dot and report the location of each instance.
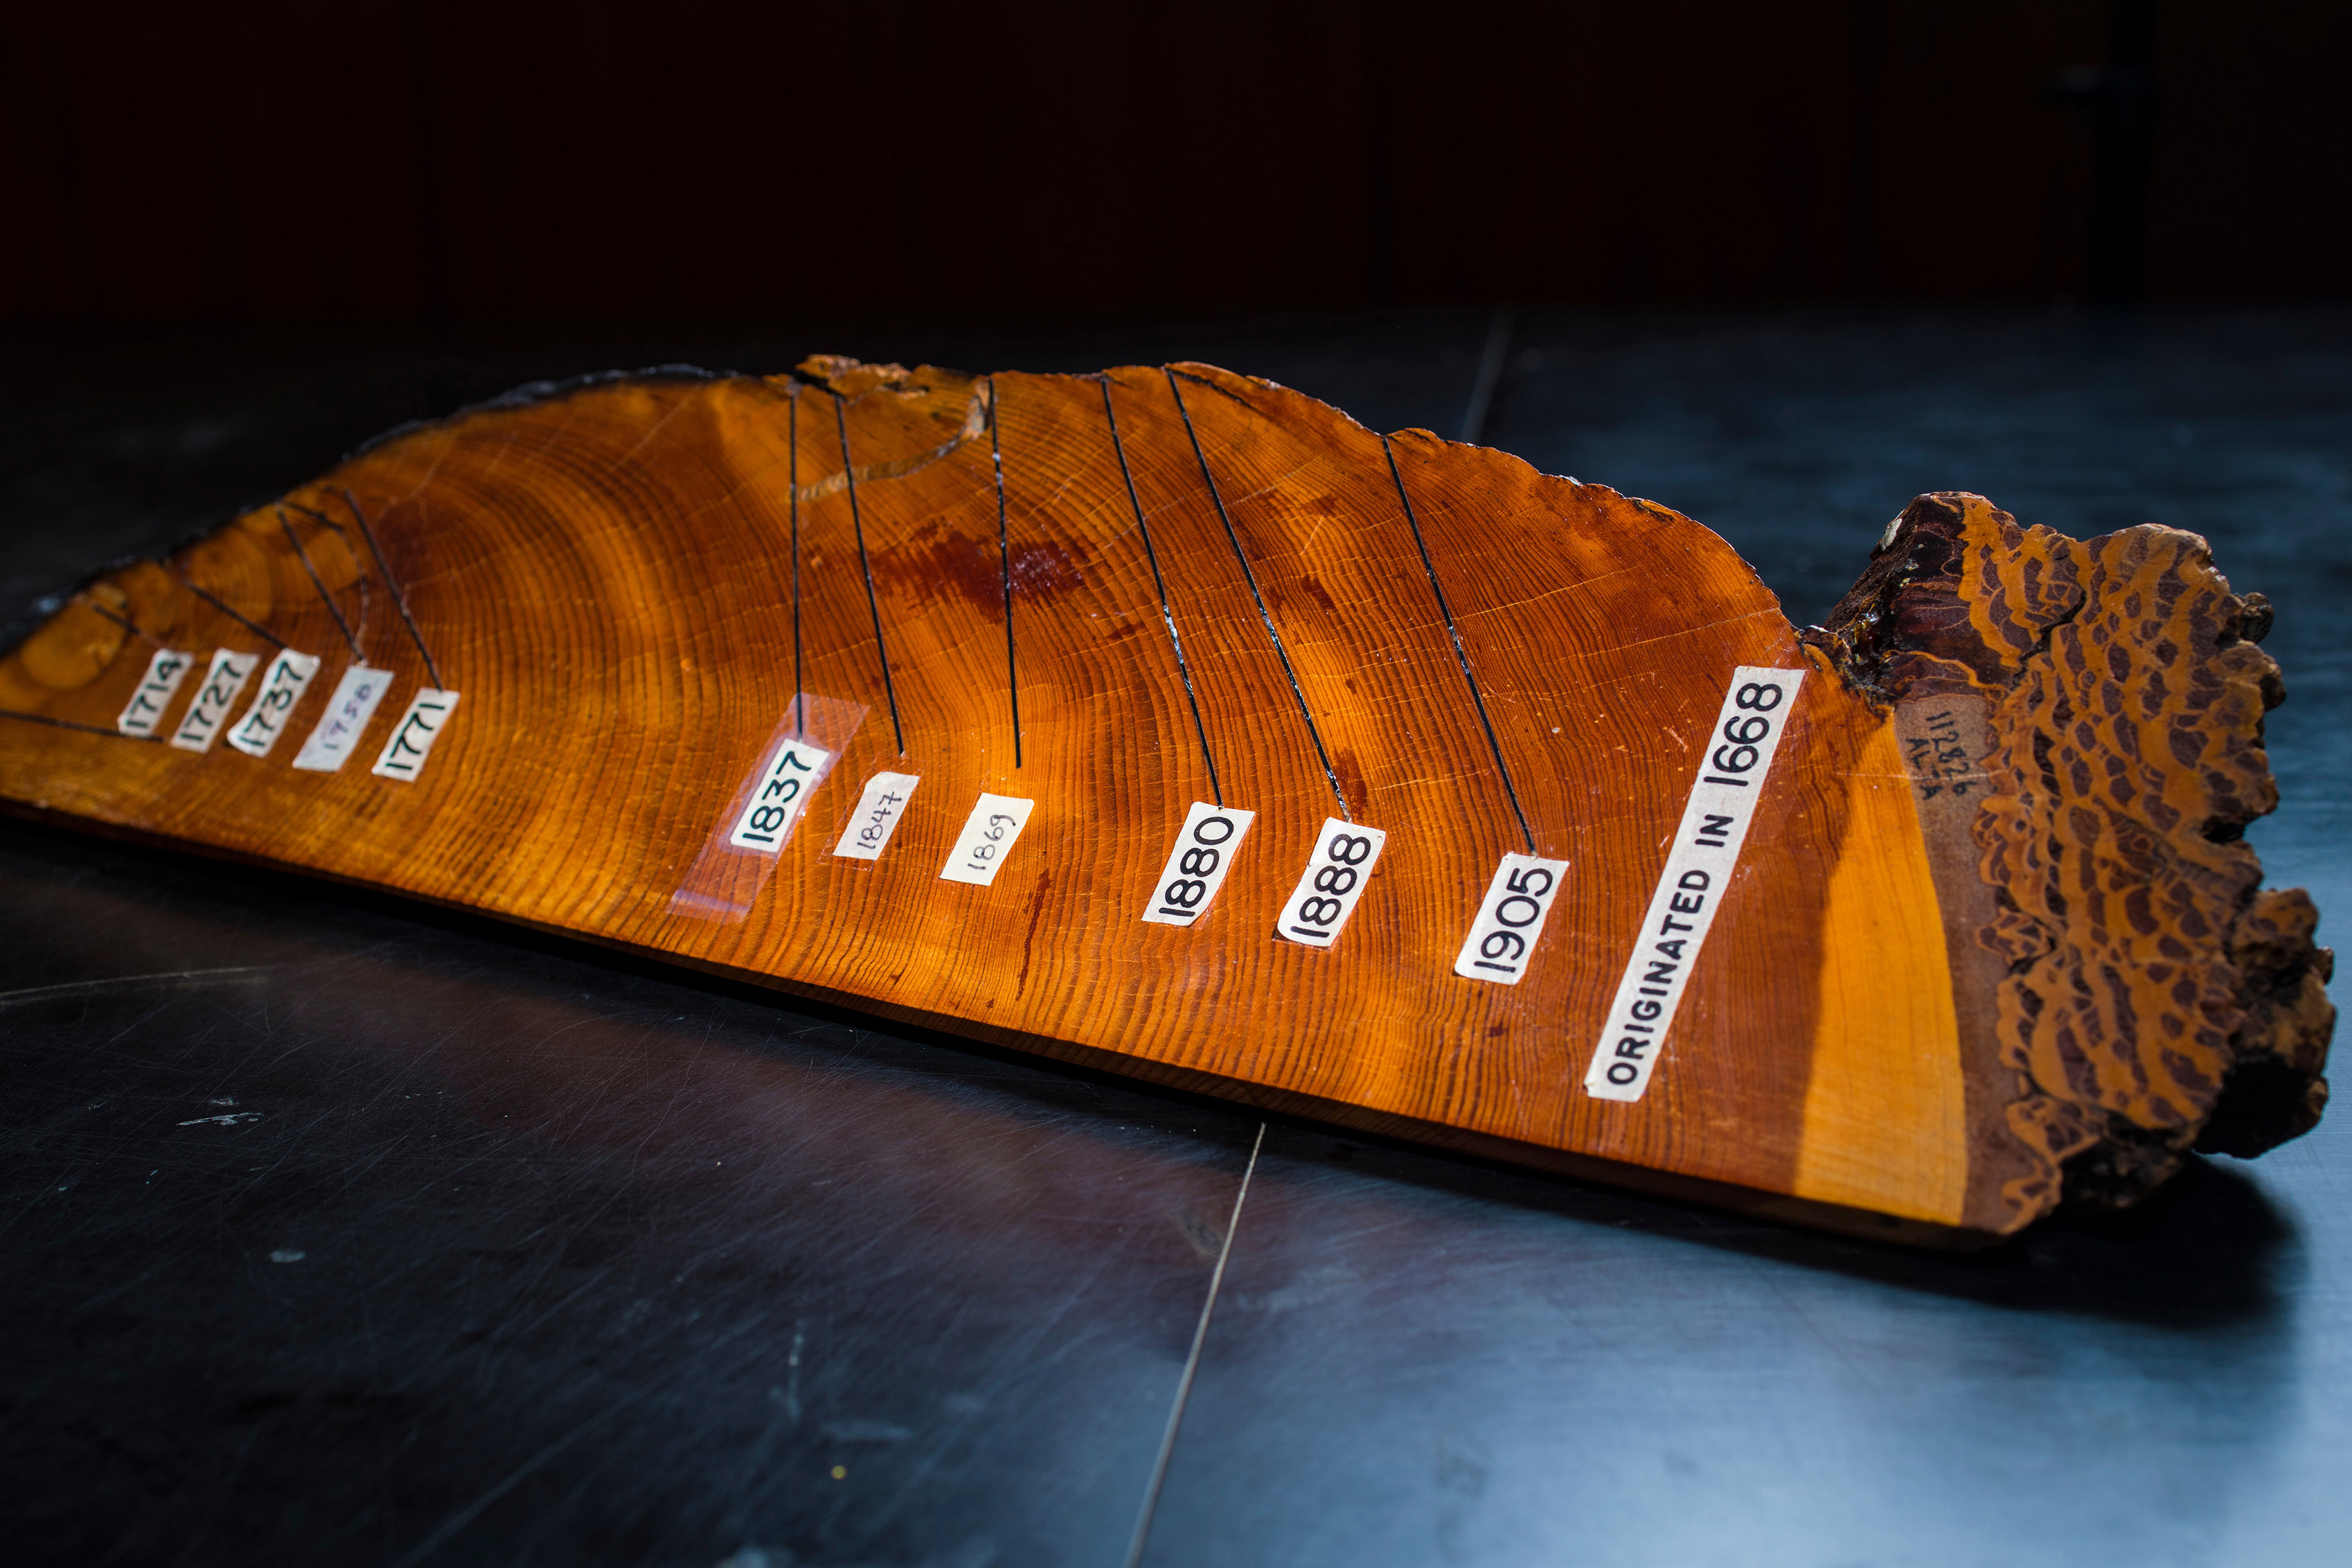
(412, 739)
(879, 811)
(988, 837)
(1510, 917)
(200, 726)
(1196, 867)
(143, 714)
(282, 686)
(726, 876)
(337, 734)
(1328, 890)
(785, 785)
(1734, 762)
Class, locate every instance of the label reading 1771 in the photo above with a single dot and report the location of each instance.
(1334, 880)
(200, 725)
(1737, 756)
(986, 839)
(768, 817)
(1197, 866)
(413, 737)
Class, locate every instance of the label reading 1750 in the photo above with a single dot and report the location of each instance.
(1334, 880)
(1504, 936)
(1197, 866)
(768, 817)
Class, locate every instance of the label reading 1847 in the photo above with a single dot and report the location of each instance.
(200, 726)
(145, 708)
(1197, 866)
(986, 839)
(878, 814)
(1737, 755)
(1512, 916)
(281, 688)
(768, 817)
(1334, 880)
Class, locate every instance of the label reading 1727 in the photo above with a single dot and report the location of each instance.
(768, 817)
(1334, 880)
(200, 725)
(1197, 866)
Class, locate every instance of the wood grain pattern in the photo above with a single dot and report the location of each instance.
(1117, 596)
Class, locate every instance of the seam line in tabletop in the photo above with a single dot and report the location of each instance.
(1192, 1363)
(326, 598)
(1004, 565)
(873, 605)
(1167, 615)
(392, 586)
(1461, 654)
(1249, 577)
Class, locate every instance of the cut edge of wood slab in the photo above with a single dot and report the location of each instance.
(2055, 745)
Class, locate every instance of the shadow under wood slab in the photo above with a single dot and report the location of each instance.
(1169, 721)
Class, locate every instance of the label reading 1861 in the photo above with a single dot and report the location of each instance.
(986, 839)
(768, 817)
(1334, 880)
(1503, 938)
(1738, 754)
(200, 725)
(1197, 866)
(144, 711)
(879, 811)
(281, 688)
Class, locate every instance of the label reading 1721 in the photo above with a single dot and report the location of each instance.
(1334, 880)
(1197, 866)
(768, 817)
(1510, 919)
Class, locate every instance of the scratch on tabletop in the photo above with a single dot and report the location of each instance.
(246, 973)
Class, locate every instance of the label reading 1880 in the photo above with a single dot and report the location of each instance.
(281, 688)
(1334, 880)
(768, 816)
(1197, 866)
(200, 725)
(986, 839)
(145, 708)
(1512, 917)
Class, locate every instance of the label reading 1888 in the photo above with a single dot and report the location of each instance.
(200, 725)
(281, 688)
(1737, 756)
(986, 839)
(145, 708)
(1334, 880)
(1510, 919)
(768, 816)
(1197, 866)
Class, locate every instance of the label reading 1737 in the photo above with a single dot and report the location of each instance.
(1334, 880)
(768, 817)
(281, 688)
(1197, 866)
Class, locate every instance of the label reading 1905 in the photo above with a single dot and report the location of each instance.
(986, 839)
(1509, 920)
(1334, 880)
(200, 725)
(1197, 866)
(768, 817)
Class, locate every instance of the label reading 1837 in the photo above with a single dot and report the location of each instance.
(1197, 866)
(768, 817)
(1334, 880)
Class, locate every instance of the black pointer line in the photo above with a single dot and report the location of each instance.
(255, 627)
(399, 599)
(73, 724)
(125, 622)
(324, 597)
(873, 605)
(792, 432)
(1251, 577)
(1004, 561)
(1460, 653)
(1167, 616)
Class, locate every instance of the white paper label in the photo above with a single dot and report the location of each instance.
(986, 839)
(1739, 756)
(412, 738)
(1334, 880)
(281, 688)
(145, 709)
(347, 712)
(200, 725)
(1503, 938)
(877, 816)
(768, 817)
(1197, 866)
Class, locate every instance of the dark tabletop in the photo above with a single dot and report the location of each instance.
(337, 1230)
